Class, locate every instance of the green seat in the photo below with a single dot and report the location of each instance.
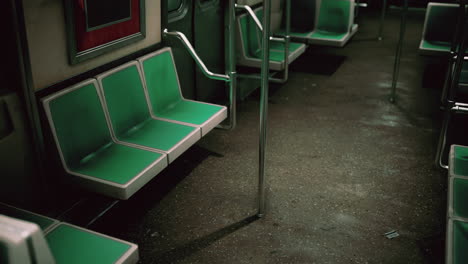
(74, 245)
(165, 97)
(132, 123)
(439, 28)
(457, 242)
(87, 149)
(249, 45)
(45, 223)
(458, 192)
(22, 242)
(458, 161)
(334, 24)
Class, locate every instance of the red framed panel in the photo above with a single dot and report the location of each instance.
(85, 42)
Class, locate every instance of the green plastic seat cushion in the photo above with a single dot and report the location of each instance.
(276, 56)
(460, 166)
(130, 115)
(460, 242)
(441, 22)
(81, 129)
(71, 245)
(300, 34)
(439, 46)
(334, 16)
(250, 35)
(327, 35)
(116, 163)
(42, 221)
(125, 98)
(296, 34)
(162, 82)
(165, 96)
(190, 112)
(168, 134)
(85, 140)
(251, 39)
(460, 197)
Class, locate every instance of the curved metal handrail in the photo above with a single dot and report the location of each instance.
(193, 53)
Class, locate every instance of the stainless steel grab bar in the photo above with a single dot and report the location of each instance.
(193, 53)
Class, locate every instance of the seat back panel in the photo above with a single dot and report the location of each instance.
(78, 122)
(67, 243)
(440, 24)
(250, 34)
(125, 98)
(303, 15)
(276, 15)
(162, 81)
(334, 16)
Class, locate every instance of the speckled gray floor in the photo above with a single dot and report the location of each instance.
(344, 167)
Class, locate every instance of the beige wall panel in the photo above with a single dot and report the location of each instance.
(45, 25)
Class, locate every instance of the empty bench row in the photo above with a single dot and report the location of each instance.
(116, 132)
(333, 26)
(26, 237)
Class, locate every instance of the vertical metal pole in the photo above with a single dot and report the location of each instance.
(264, 105)
(454, 81)
(382, 19)
(396, 66)
(443, 139)
(231, 63)
(288, 40)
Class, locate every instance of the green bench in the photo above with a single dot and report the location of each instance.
(116, 133)
(166, 101)
(63, 243)
(334, 24)
(249, 45)
(88, 150)
(457, 220)
(130, 118)
(458, 161)
(439, 28)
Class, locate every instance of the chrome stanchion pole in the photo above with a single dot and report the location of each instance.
(264, 105)
(382, 19)
(396, 66)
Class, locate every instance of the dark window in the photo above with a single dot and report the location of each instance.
(102, 13)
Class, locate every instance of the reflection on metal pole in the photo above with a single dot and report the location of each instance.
(264, 105)
(382, 19)
(230, 47)
(396, 66)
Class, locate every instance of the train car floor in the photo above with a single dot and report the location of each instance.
(344, 168)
